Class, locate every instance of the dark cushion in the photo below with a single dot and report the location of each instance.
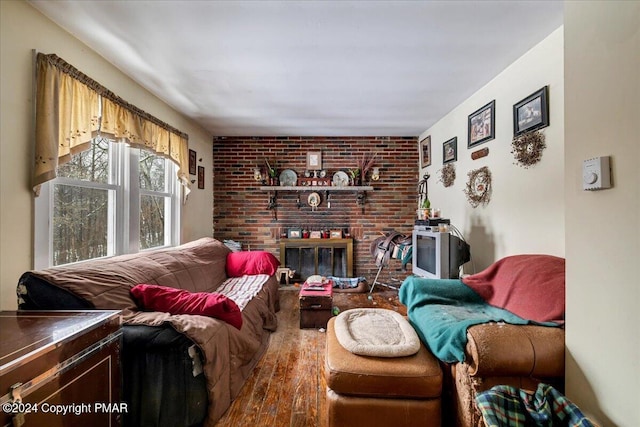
(35, 293)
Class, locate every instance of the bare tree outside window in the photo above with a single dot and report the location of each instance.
(85, 219)
(80, 213)
(152, 178)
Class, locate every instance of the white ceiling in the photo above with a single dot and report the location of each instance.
(309, 68)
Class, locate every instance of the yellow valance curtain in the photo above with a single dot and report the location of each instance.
(71, 109)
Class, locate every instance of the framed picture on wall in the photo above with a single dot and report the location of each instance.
(192, 162)
(201, 177)
(482, 125)
(425, 152)
(450, 150)
(531, 113)
(314, 160)
(294, 233)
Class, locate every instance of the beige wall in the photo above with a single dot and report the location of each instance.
(526, 211)
(602, 100)
(600, 235)
(23, 28)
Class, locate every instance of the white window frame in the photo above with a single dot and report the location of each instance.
(124, 206)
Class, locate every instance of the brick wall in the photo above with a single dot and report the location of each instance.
(240, 208)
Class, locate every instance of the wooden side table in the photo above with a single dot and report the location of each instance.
(316, 306)
(52, 360)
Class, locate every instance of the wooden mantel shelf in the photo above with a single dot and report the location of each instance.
(273, 190)
(316, 188)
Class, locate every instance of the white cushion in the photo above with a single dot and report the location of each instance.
(376, 332)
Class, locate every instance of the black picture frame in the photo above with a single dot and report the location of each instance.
(201, 177)
(450, 150)
(481, 125)
(192, 162)
(425, 152)
(532, 112)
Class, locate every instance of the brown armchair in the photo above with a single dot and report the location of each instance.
(508, 329)
(498, 353)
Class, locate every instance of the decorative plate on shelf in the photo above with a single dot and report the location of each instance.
(288, 178)
(340, 179)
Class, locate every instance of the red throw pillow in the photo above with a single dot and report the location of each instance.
(251, 262)
(530, 286)
(179, 301)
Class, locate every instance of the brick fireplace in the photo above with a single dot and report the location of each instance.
(240, 207)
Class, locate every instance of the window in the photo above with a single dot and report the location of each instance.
(110, 199)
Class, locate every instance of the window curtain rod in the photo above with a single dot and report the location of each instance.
(69, 69)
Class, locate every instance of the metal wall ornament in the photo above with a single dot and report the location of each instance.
(478, 188)
(527, 148)
(447, 174)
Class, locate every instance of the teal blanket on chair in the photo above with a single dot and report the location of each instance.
(442, 310)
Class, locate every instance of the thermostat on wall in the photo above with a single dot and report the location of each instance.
(596, 173)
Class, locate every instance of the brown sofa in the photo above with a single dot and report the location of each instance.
(162, 381)
(520, 351)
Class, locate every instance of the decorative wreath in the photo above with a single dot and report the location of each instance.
(527, 148)
(478, 188)
(313, 200)
(448, 174)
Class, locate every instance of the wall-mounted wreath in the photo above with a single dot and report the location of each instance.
(478, 189)
(448, 174)
(527, 148)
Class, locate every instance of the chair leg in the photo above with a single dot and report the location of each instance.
(376, 279)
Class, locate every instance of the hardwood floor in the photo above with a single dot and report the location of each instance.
(287, 387)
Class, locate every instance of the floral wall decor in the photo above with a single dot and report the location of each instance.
(527, 148)
(448, 174)
(478, 189)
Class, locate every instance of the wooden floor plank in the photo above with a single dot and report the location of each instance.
(304, 410)
(277, 409)
(287, 387)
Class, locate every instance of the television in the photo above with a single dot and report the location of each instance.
(438, 255)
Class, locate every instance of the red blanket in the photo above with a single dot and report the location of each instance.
(530, 286)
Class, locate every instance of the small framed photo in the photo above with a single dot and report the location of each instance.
(531, 113)
(482, 125)
(425, 152)
(450, 150)
(192, 162)
(294, 233)
(314, 160)
(335, 234)
(201, 177)
(316, 235)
